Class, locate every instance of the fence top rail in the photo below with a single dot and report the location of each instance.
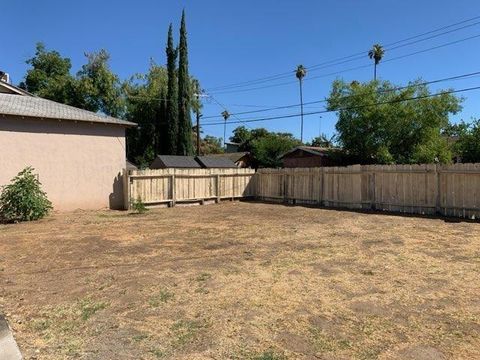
(233, 171)
(160, 176)
(357, 169)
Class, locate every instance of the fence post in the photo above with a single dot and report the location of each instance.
(218, 188)
(373, 184)
(126, 190)
(437, 190)
(173, 189)
(322, 184)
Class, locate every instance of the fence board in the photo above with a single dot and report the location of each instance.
(182, 185)
(452, 190)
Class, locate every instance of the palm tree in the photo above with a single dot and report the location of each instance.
(225, 115)
(376, 54)
(300, 74)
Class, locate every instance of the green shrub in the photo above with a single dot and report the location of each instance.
(139, 206)
(23, 199)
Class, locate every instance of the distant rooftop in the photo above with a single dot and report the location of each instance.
(314, 150)
(232, 156)
(215, 162)
(175, 161)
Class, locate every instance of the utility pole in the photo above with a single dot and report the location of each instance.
(199, 94)
(198, 132)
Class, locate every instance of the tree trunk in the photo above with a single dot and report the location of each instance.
(301, 109)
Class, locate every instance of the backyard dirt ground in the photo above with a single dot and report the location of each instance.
(242, 281)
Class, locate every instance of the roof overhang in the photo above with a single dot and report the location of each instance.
(12, 89)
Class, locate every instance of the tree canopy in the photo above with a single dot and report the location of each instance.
(467, 146)
(95, 87)
(264, 146)
(146, 106)
(49, 75)
(377, 123)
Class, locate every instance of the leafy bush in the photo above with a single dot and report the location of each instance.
(23, 199)
(139, 206)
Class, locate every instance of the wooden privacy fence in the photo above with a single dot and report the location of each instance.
(169, 186)
(451, 190)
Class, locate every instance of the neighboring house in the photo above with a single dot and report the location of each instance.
(241, 159)
(308, 156)
(78, 155)
(190, 162)
(175, 161)
(209, 162)
(231, 147)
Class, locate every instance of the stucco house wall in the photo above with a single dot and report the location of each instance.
(78, 163)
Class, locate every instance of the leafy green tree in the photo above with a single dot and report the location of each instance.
(94, 88)
(98, 87)
(376, 123)
(211, 145)
(267, 150)
(172, 95)
(49, 76)
(146, 105)
(264, 146)
(468, 144)
(240, 135)
(184, 144)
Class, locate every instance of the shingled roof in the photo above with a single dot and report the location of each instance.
(35, 107)
(175, 161)
(215, 162)
(314, 150)
(232, 156)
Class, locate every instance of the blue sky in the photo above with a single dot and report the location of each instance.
(235, 41)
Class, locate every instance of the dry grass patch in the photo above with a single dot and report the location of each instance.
(242, 281)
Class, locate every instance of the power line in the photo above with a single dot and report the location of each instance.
(457, 77)
(224, 108)
(355, 68)
(356, 56)
(352, 107)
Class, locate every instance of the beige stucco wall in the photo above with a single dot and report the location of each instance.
(78, 163)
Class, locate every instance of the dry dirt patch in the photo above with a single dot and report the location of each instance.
(242, 281)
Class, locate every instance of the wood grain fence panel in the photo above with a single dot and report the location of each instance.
(176, 185)
(452, 190)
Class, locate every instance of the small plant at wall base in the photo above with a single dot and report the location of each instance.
(23, 199)
(138, 206)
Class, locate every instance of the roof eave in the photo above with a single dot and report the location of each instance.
(124, 123)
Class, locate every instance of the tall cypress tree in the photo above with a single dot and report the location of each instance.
(161, 128)
(184, 144)
(172, 96)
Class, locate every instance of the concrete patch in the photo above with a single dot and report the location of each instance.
(8, 347)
